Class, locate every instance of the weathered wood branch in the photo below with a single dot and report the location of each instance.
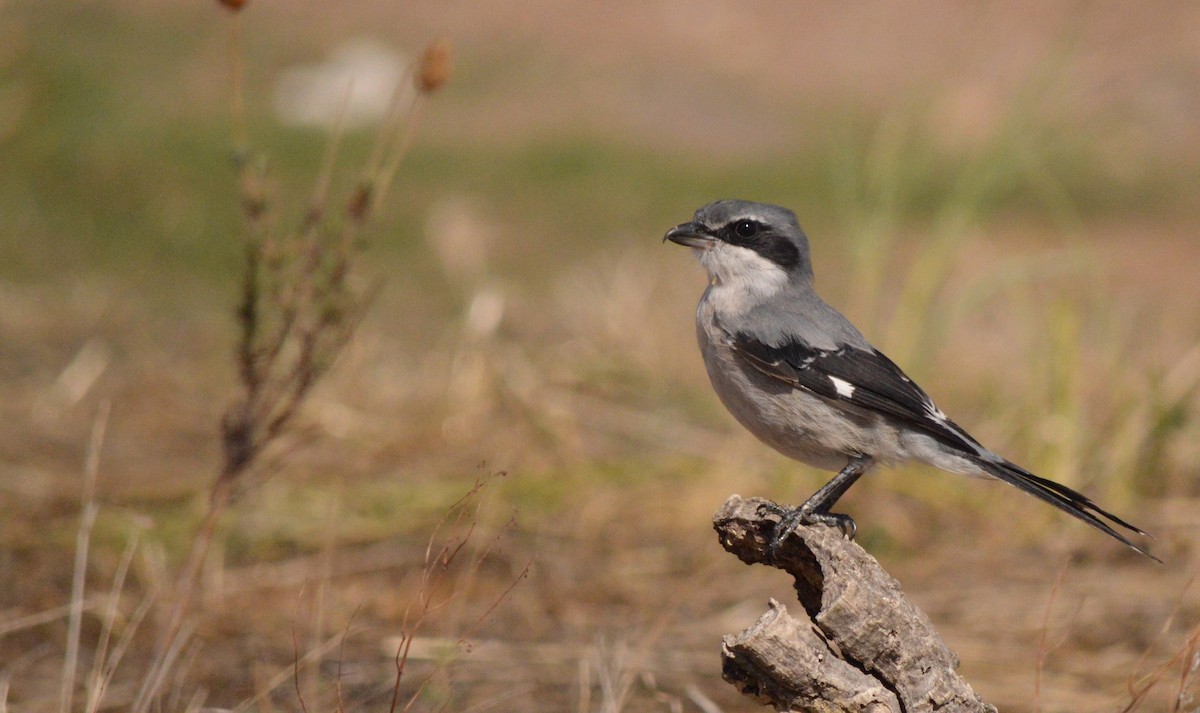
(864, 646)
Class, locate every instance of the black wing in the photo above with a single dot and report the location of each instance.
(865, 378)
(873, 382)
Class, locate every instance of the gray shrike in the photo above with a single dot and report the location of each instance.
(801, 378)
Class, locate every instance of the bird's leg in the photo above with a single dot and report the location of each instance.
(823, 499)
(816, 508)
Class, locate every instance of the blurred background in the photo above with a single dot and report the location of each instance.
(1003, 196)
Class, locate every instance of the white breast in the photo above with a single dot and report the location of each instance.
(739, 278)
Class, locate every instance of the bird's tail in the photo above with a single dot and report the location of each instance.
(1065, 499)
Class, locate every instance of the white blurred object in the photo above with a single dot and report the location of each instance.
(486, 311)
(74, 381)
(359, 79)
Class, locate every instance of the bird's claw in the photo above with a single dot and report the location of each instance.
(791, 518)
(845, 523)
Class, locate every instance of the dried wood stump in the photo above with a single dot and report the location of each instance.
(863, 646)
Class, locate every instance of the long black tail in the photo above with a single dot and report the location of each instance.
(1065, 499)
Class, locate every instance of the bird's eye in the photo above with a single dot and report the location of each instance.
(745, 228)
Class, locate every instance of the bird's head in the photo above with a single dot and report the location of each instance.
(753, 246)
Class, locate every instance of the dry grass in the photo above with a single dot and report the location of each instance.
(543, 331)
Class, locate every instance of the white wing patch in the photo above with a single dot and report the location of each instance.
(932, 409)
(844, 388)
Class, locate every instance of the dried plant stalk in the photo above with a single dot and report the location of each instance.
(299, 307)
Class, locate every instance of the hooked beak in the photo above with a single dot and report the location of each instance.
(692, 235)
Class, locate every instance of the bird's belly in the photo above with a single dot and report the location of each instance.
(794, 422)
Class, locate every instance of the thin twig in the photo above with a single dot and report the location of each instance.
(402, 143)
(438, 559)
(296, 669)
(1187, 677)
(325, 575)
(285, 674)
(96, 679)
(87, 521)
(219, 498)
(1152, 679)
(1042, 651)
(27, 622)
(341, 703)
(320, 193)
(237, 103)
(118, 653)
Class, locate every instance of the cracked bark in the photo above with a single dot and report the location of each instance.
(863, 646)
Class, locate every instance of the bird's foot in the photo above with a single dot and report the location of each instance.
(791, 518)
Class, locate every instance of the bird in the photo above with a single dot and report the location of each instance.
(805, 381)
